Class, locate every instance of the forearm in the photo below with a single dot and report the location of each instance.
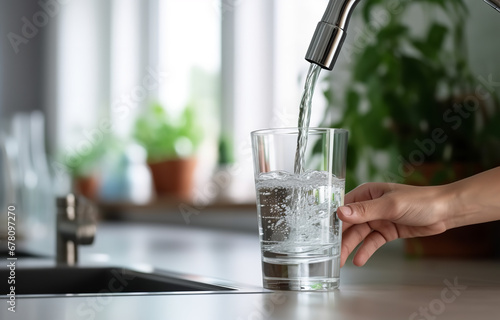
(474, 200)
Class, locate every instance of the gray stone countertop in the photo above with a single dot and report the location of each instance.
(388, 287)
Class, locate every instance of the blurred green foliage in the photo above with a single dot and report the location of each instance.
(404, 85)
(83, 162)
(167, 137)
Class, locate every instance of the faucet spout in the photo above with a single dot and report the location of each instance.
(338, 12)
(494, 3)
(331, 32)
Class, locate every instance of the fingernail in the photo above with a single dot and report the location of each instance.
(346, 211)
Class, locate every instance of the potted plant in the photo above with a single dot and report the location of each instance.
(171, 144)
(412, 101)
(82, 166)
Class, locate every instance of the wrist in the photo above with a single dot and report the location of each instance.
(462, 207)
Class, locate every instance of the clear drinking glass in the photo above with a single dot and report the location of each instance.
(300, 232)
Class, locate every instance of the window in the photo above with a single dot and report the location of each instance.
(241, 62)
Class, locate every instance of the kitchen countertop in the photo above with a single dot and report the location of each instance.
(389, 287)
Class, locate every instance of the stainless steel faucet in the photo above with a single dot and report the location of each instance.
(331, 32)
(75, 226)
(494, 3)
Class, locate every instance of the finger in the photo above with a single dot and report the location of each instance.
(384, 208)
(371, 244)
(345, 226)
(367, 191)
(351, 238)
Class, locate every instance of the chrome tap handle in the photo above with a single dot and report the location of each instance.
(75, 226)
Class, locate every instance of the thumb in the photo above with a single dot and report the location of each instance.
(361, 212)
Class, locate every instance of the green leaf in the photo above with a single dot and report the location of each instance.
(166, 137)
(352, 100)
(368, 7)
(328, 95)
(367, 64)
(436, 35)
(391, 33)
(423, 47)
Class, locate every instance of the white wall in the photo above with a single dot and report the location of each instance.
(484, 39)
(21, 67)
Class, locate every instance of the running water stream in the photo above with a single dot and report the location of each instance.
(305, 117)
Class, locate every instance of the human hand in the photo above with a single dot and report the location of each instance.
(376, 213)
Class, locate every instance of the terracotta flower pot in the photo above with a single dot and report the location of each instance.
(87, 187)
(174, 177)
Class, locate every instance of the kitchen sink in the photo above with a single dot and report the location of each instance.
(100, 281)
(19, 254)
